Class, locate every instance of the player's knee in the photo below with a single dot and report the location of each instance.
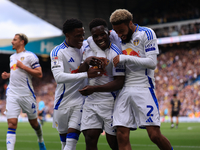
(122, 136)
(12, 124)
(91, 139)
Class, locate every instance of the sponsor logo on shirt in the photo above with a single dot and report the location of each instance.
(131, 52)
(71, 60)
(150, 47)
(14, 67)
(74, 71)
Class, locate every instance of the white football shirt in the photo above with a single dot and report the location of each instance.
(20, 83)
(111, 71)
(142, 44)
(65, 61)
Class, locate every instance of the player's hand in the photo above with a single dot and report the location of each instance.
(116, 60)
(5, 75)
(20, 64)
(104, 62)
(95, 72)
(94, 61)
(87, 90)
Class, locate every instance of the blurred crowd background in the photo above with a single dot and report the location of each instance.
(178, 68)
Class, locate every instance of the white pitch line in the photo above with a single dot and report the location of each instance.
(143, 145)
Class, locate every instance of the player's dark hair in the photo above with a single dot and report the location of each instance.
(97, 22)
(71, 24)
(174, 95)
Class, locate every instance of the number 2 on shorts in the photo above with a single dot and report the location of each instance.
(151, 109)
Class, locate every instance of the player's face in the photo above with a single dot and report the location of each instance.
(75, 38)
(100, 35)
(124, 32)
(16, 42)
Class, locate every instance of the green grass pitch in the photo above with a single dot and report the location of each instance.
(186, 137)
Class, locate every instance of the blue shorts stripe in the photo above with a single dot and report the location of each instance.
(60, 99)
(154, 98)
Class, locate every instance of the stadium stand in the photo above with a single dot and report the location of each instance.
(177, 69)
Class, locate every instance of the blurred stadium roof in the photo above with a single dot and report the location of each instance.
(56, 12)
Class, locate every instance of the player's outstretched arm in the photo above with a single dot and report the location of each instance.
(149, 62)
(114, 85)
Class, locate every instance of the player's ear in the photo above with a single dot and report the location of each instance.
(130, 24)
(67, 35)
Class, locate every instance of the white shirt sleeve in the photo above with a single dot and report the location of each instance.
(34, 61)
(60, 76)
(149, 62)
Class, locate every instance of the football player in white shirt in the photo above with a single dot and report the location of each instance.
(20, 93)
(136, 104)
(99, 103)
(65, 61)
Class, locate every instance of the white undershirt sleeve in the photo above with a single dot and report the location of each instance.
(149, 62)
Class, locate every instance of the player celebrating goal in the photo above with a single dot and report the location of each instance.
(20, 94)
(101, 91)
(65, 61)
(136, 105)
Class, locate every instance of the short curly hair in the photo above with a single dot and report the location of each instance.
(120, 16)
(97, 22)
(71, 24)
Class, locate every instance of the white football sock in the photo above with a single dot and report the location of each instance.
(70, 144)
(63, 145)
(10, 141)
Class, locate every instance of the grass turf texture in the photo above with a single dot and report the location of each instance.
(186, 137)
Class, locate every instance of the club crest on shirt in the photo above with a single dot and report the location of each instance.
(22, 58)
(136, 42)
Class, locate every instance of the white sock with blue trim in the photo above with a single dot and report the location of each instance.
(71, 141)
(10, 139)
